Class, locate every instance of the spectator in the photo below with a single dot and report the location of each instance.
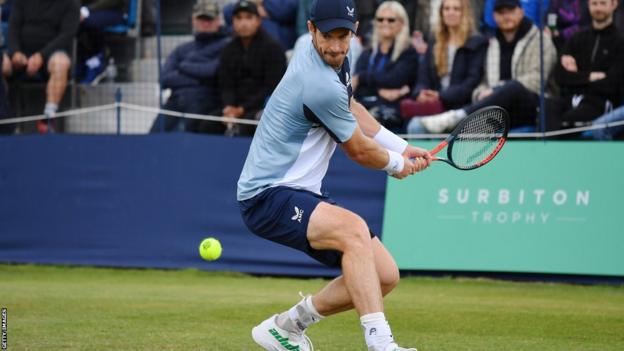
(251, 66)
(591, 65)
(386, 72)
(566, 18)
(512, 73)
(534, 10)
(278, 19)
(95, 16)
(453, 66)
(40, 40)
(191, 70)
(426, 15)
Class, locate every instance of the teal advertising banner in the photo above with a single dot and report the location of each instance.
(538, 207)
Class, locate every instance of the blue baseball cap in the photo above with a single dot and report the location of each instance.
(328, 15)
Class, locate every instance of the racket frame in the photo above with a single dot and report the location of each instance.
(451, 137)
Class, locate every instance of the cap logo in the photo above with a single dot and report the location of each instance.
(350, 11)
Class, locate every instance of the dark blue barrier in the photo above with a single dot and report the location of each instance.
(148, 201)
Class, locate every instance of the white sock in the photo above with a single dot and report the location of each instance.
(376, 330)
(299, 317)
(50, 109)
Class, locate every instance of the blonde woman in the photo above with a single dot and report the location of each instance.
(453, 66)
(385, 72)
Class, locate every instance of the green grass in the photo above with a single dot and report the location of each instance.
(65, 308)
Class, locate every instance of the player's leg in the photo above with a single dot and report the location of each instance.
(335, 228)
(335, 298)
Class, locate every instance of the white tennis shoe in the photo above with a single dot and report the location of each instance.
(441, 122)
(273, 338)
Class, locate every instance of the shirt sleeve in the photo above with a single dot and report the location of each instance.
(326, 101)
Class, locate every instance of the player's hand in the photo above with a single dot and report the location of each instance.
(34, 64)
(408, 169)
(419, 157)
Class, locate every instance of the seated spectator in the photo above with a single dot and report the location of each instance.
(566, 18)
(386, 72)
(252, 65)
(534, 10)
(95, 16)
(191, 70)
(512, 73)
(590, 70)
(453, 65)
(40, 40)
(278, 19)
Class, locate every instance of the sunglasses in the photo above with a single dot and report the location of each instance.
(387, 19)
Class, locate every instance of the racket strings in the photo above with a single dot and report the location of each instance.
(478, 138)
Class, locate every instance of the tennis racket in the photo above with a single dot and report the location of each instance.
(476, 139)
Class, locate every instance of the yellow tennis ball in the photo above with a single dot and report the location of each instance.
(210, 249)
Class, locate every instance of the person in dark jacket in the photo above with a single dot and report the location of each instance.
(251, 67)
(453, 65)
(40, 40)
(386, 72)
(279, 18)
(591, 65)
(191, 71)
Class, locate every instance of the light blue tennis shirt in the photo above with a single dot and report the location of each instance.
(303, 120)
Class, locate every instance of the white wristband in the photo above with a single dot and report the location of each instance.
(395, 163)
(390, 141)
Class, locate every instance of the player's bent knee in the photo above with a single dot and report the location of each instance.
(389, 280)
(356, 234)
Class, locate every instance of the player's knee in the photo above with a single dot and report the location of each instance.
(356, 234)
(389, 280)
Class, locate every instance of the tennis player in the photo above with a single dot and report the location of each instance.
(279, 190)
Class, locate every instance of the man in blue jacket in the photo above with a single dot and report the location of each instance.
(190, 71)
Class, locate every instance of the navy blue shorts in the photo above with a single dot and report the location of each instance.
(281, 214)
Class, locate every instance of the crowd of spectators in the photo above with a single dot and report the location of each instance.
(420, 65)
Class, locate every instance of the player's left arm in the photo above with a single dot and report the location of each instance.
(368, 124)
(372, 129)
